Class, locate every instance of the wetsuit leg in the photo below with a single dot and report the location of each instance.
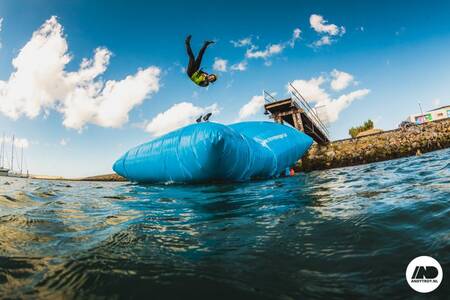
(191, 69)
(198, 60)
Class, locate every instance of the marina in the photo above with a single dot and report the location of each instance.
(10, 171)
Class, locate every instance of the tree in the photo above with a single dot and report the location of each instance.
(365, 126)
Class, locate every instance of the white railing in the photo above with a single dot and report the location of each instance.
(268, 97)
(309, 111)
(301, 102)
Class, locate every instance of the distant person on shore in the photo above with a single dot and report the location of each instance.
(194, 70)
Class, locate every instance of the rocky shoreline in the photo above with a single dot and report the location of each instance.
(383, 146)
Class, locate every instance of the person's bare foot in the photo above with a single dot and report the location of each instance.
(188, 38)
(209, 42)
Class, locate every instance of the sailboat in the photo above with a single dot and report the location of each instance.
(3, 170)
(11, 172)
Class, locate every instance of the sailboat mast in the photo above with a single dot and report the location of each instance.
(3, 152)
(12, 154)
(21, 161)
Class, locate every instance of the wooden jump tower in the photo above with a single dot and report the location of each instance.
(296, 111)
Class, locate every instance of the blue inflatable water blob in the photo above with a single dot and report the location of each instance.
(215, 152)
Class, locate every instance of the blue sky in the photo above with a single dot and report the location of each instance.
(395, 53)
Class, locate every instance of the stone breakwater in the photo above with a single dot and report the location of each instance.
(387, 145)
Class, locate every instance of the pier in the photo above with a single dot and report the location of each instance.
(296, 112)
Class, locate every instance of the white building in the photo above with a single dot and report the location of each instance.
(432, 115)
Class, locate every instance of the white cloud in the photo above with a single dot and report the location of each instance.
(341, 80)
(319, 24)
(220, 64)
(312, 90)
(40, 83)
(242, 42)
(270, 50)
(242, 66)
(327, 107)
(63, 142)
(436, 102)
(254, 52)
(21, 143)
(177, 116)
(18, 142)
(295, 36)
(325, 40)
(252, 107)
(335, 107)
(108, 105)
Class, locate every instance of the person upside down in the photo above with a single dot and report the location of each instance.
(194, 70)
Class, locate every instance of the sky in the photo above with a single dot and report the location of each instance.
(81, 82)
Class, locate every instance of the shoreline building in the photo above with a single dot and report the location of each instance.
(439, 113)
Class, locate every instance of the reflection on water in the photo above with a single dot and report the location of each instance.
(341, 233)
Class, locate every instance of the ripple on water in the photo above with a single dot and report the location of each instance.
(343, 233)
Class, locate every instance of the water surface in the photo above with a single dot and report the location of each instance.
(344, 233)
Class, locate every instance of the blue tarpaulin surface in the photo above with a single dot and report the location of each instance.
(215, 152)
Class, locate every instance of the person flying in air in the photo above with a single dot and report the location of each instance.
(194, 71)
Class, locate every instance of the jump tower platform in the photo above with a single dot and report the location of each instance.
(296, 111)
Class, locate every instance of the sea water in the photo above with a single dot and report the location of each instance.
(343, 233)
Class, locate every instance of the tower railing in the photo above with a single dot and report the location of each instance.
(309, 111)
(268, 97)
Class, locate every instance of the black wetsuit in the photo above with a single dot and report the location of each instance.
(195, 63)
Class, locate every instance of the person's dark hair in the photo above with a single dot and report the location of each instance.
(213, 79)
